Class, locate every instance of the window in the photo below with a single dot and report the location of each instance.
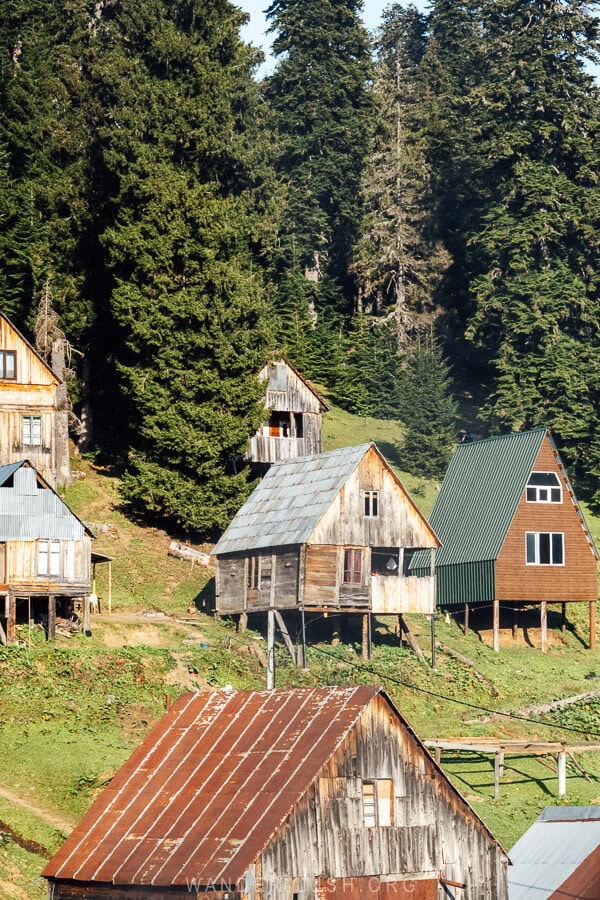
(8, 365)
(32, 431)
(378, 802)
(544, 548)
(352, 566)
(544, 487)
(371, 504)
(385, 561)
(253, 573)
(49, 558)
(409, 552)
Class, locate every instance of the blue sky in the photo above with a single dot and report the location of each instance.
(254, 32)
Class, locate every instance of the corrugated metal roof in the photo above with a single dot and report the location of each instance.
(210, 785)
(479, 497)
(32, 348)
(290, 500)
(551, 851)
(31, 510)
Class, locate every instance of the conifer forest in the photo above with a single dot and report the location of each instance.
(411, 217)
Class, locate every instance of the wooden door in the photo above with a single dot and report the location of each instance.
(370, 888)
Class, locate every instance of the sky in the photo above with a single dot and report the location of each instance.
(255, 34)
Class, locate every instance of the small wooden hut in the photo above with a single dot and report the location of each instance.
(330, 533)
(294, 426)
(45, 553)
(32, 426)
(512, 531)
(280, 795)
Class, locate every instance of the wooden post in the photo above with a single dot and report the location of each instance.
(466, 620)
(86, 614)
(302, 654)
(563, 617)
(110, 587)
(433, 641)
(335, 629)
(242, 623)
(399, 627)
(410, 638)
(93, 578)
(51, 617)
(562, 773)
(365, 636)
(514, 626)
(438, 755)
(496, 626)
(285, 635)
(544, 624)
(498, 769)
(11, 620)
(593, 625)
(270, 650)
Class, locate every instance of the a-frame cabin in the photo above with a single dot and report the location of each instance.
(512, 531)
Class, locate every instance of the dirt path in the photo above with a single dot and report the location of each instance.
(55, 821)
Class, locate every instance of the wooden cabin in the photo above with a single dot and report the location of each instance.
(280, 795)
(294, 426)
(45, 553)
(32, 426)
(558, 857)
(334, 532)
(512, 531)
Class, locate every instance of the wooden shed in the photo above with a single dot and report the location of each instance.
(32, 426)
(334, 532)
(45, 553)
(294, 426)
(512, 531)
(280, 795)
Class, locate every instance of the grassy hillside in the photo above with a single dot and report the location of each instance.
(73, 711)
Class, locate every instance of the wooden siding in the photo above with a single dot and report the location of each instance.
(33, 393)
(288, 391)
(433, 829)
(278, 582)
(577, 579)
(321, 576)
(22, 568)
(399, 523)
(395, 594)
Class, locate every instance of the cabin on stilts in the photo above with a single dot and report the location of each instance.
(33, 409)
(45, 554)
(331, 534)
(294, 426)
(512, 533)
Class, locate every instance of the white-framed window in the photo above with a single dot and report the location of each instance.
(544, 487)
(49, 558)
(8, 365)
(32, 431)
(378, 802)
(371, 504)
(545, 548)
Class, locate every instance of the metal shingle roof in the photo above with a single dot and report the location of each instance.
(209, 786)
(552, 850)
(479, 496)
(290, 500)
(8, 470)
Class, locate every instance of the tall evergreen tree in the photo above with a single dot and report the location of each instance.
(176, 143)
(398, 260)
(322, 107)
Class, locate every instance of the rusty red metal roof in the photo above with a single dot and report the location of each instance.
(208, 788)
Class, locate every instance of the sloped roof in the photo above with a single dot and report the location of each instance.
(277, 379)
(479, 497)
(211, 784)
(8, 470)
(27, 514)
(291, 499)
(32, 348)
(551, 851)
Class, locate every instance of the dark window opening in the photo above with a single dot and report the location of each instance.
(409, 552)
(286, 424)
(385, 561)
(352, 566)
(8, 365)
(544, 487)
(371, 504)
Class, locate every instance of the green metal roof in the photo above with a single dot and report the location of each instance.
(479, 497)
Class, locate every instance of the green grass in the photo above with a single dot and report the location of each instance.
(73, 711)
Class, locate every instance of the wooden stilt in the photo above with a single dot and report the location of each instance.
(302, 655)
(514, 626)
(270, 649)
(563, 617)
(496, 626)
(562, 773)
(433, 641)
(285, 635)
(438, 755)
(593, 625)
(399, 631)
(466, 620)
(544, 624)
(11, 620)
(410, 638)
(51, 617)
(335, 629)
(242, 623)
(498, 769)
(110, 587)
(86, 615)
(365, 637)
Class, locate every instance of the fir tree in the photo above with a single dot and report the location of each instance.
(428, 411)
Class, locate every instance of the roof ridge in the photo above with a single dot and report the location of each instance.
(296, 459)
(501, 437)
